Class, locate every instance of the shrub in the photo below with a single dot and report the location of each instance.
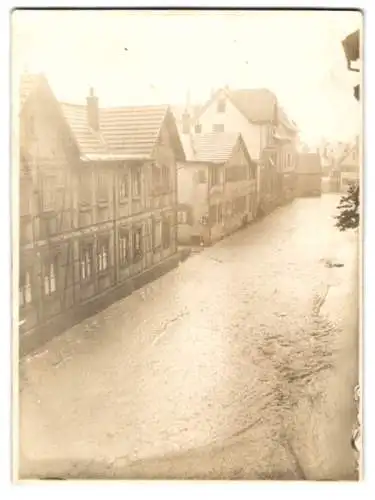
(348, 217)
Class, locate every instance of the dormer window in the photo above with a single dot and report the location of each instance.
(221, 106)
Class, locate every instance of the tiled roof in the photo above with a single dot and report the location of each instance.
(346, 155)
(213, 147)
(285, 121)
(132, 130)
(258, 105)
(309, 163)
(88, 140)
(126, 132)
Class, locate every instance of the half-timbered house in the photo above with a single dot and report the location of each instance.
(98, 191)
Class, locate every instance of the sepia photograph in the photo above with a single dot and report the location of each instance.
(187, 244)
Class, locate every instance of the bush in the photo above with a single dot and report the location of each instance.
(349, 209)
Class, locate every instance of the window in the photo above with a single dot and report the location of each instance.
(161, 177)
(221, 106)
(156, 235)
(49, 192)
(51, 225)
(218, 127)
(49, 276)
(124, 247)
(156, 175)
(239, 205)
(215, 176)
(102, 254)
(86, 261)
(25, 192)
(250, 172)
(182, 217)
(219, 213)
(136, 182)
(85, 191)
(166, 234)
(198, 128)
(213, 214)
(102, 187)
(165, 176)
(25, 231)
(137, 243)
(202, 178)
(25, 292)
(124, 187)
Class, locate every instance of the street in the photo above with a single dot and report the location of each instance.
(240, 363)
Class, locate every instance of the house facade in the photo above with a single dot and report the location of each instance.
(216, 187)
(98, 198)
(348, 167)
(309, 174)
(267, 132)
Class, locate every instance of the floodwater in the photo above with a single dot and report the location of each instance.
(230, 351)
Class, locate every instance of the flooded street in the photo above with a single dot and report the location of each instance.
(226, 366)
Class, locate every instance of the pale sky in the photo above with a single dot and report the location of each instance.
(296, 54)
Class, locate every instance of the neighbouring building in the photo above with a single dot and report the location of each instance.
(270, 137)
(216, 187)
(309, 174)
(348, 167)
(98, 200)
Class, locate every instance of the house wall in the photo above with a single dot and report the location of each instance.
(349, 168)
(193, 181)
(45, 210)
(309, 184)
(273, 189)
(90, 209)
(255, 136)
(243, 187)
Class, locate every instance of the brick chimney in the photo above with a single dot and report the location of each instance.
(92, 110)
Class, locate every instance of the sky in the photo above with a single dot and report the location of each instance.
(158, 57)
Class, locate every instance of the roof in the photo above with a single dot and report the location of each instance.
(309, 163)
(284, 120)
(257, 105)
(214, 147)
(29, 83)
(348, 155)
(125, 132)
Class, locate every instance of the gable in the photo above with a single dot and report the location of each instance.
(351, 158)
(169, 133)
(258, 106)
(233, 120)
(42, 124)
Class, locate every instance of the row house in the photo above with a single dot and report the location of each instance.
(216, 187)
(270, 137)
(98, 198)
